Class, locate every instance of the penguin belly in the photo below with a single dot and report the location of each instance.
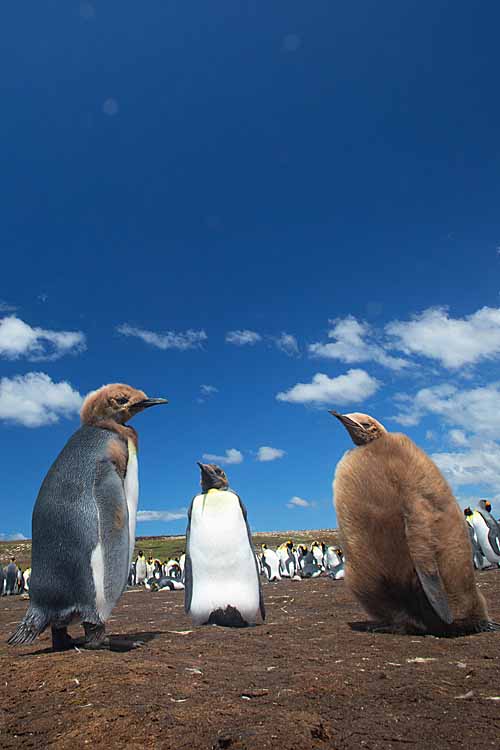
(131, 487)
(224, 573)
(271, 565)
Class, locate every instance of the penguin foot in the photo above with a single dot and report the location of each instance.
(61, 641)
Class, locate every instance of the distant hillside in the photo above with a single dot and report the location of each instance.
(163, 547)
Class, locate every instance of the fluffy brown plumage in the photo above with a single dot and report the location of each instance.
(407, 549)
(111, 406)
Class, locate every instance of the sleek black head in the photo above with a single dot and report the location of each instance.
(212, 477)
(485, 505)
(467, 511)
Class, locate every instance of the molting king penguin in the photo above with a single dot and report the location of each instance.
(84, 522)
(407, 549)
(221, 576)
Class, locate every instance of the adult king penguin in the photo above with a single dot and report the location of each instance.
(84, 522)
(221, 574)
(487, 531)
(407, 549)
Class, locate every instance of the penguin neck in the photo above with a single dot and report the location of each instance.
(123, 430)
(215, 489)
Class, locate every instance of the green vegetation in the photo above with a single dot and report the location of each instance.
(164, 547)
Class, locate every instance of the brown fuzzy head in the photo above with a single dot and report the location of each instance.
(212, 477)
(361, 427)
(117, 403)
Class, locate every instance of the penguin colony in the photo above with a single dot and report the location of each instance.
(409, 551)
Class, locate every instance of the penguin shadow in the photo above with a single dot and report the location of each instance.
(117, 643)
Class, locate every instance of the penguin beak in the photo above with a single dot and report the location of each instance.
(147, 402)
(344, 419)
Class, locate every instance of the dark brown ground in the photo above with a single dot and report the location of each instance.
(303, 680)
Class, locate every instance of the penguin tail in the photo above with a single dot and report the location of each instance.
(31, 626)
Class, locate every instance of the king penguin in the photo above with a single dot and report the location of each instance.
(478, 557)
(84, 522)
(221, 576)
(487, 531)
(407, 549)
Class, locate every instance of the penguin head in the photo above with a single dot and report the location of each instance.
(212, 477)
(117, 402)
(263, 546)
(467, 511)
(361, 427)
(485, 505)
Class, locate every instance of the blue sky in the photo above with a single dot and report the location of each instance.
(324, 176)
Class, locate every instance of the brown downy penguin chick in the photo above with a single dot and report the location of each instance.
(84, 522)
(407, 549)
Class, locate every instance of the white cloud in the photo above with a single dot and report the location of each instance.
(208, 390)
(18, 339)
(266, 453)
(243, 338)
(350, 345)
(143, 516)
(478, 466)
(299, 502)
(232, 456)
(454, 342)
(458, 437)
(355, 385)
(287, 344)
(169, 340)
(34, 400)
(475, 410)
(13, 537)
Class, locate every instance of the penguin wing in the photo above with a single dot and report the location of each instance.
(493, 530)
(188, 566)
(261, 596)
(109, 496)
(419, 536)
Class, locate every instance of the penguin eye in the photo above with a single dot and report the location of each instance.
(366, 425)
(121, 400)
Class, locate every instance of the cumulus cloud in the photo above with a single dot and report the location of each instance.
(299, 502)
(243, 338)
(454, 342)
(458, 437)
(34, 400)
(208, 390)
(143, 516)
(232, 456)
(287, 344)
(266, 453)
(478, 466)
(12, 537)
(18, 339)
(169, 340)
(356, 385)
(474, 410)
(350, 345)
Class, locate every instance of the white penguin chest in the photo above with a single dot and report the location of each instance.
(131, 487)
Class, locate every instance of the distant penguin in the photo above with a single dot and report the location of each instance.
(11, 577)
(310, 567)
(487, 531)
(26, 577)
(270, 564)
(140, 568)
(287, 559)
(317, 550)
(221, 575)
(131, 574)
(166, 583)
(2, 581)
(408, 554)
(84, 522)
(334, 563)
(478, 557)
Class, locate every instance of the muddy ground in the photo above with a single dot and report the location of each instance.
(305, 679)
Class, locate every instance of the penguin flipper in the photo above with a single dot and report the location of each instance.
(419, 539)
(188, 567)
(262, 607)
